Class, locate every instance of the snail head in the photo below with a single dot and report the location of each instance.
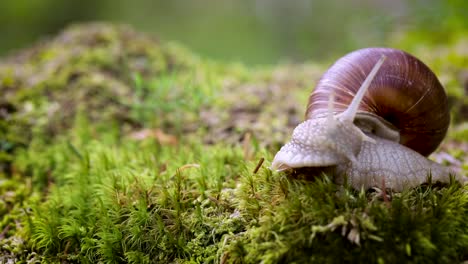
(329, 140)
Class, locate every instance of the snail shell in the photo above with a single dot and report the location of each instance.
(405, 101)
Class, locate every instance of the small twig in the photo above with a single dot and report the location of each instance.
(67, 247)
(246, 146)
(214, 200)
(187, 166)
(259, 164)
(384, 193)
(5, 230)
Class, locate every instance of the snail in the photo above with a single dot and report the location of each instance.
(374, 117)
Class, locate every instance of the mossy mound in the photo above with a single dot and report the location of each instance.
(118, 77)
(90, 67)
(115, 147)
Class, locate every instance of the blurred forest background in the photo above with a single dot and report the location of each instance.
(249, 31)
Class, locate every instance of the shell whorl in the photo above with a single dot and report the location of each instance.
(405, 93)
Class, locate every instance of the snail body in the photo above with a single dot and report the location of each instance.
(373, 117)
(389, 164)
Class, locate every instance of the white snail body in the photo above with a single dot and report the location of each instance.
(366, 140)
(391, 165)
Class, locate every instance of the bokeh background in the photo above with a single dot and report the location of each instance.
(249, 31)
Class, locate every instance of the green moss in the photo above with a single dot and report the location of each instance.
(138, 200)
(316, 222)
(118, 77)
(94, 67)
(141, 201)
(460, 132)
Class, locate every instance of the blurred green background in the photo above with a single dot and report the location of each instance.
(249, 31)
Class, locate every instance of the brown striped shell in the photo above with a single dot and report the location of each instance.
(405, 95)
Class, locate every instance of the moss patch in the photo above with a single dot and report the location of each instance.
(144, 202)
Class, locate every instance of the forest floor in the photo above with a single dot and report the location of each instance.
(118, 147)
